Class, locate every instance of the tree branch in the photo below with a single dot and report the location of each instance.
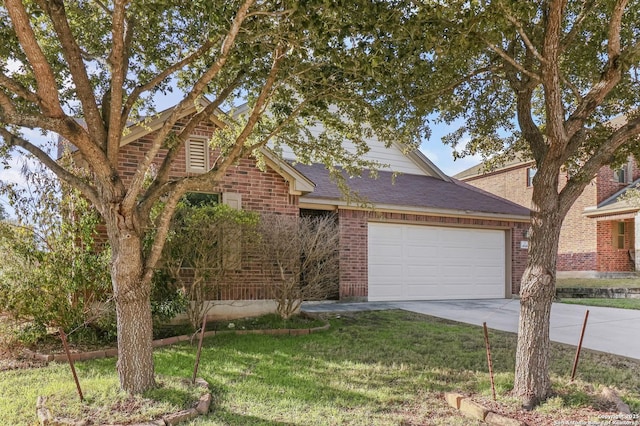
(602, 156)
(6, 105)
(138, 178)
(119, 66)
(156, 189)
(615, 24)
(511, 61)
(47, 88)
(525, 37)
(73, 180)
(17, 88)
(258, 109)
(139, 90)
(587, 5)
(73, 56)
(550, 70)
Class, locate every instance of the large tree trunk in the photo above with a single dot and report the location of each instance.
(532, 382)
(133, 312)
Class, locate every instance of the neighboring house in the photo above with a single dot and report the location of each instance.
(422, 236)
(599, 232)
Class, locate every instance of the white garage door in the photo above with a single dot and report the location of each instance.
(413, 262)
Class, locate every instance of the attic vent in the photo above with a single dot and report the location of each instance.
(197, 156)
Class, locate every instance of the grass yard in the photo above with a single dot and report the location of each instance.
(598, 282)
(370, 368)
(608, 303)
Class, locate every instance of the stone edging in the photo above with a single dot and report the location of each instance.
(479, 412)
(113, 352)
(204, 402)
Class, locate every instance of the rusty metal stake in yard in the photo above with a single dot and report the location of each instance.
(195, 369)
(63, 337)
(575, 361)
(486, 343)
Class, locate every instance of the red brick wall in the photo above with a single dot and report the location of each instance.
(578, 239)
(610, 258)
(607, 185)
(262, 192)
(353, 245)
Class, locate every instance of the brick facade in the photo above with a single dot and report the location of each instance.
(611, 258)
(585, 244)
(353, 245)
(261, 192)
(268, 192)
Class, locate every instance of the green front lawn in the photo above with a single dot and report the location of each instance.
(370, 368)
(598, 282)
(608, 303)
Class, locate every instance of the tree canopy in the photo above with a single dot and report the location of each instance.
(85, 70)
(553, 81)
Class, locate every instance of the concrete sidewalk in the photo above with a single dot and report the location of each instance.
(610, 330)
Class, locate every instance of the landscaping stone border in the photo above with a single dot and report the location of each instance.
(113, 352)
(595, 292)
(479, 412)
(204, 403)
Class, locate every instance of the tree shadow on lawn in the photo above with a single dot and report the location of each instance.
(367, 359)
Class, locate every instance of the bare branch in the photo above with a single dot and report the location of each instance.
(47, 87)
(73, 180)
(271, 14)
(453, 85)
(102, 6)
(574, 89)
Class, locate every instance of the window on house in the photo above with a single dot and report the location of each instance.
(200, 199)
(197, 155)
(620, 175)
(531, 172)
(618, 235)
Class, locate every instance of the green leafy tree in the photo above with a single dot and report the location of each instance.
(53, 273)
(104, 61)
(553, 81)
(202, 266)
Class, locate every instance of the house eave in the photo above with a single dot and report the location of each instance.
(595, 213)
(391, 208)
(298, 183)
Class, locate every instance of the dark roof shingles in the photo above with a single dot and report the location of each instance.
(410, 190)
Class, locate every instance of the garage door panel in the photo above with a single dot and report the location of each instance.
(414, 262)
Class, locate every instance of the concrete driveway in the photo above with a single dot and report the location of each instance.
(610, 330)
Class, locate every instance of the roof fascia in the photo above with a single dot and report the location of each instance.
(299, 184)
(339, 204)
(140, 129)
(426, 165)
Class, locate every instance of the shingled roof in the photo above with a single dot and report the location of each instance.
(406, 190)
